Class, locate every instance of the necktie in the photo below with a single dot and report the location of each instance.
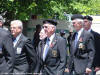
(14, 41)
(76, 38)
(46, 49)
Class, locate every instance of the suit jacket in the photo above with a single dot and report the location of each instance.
(55, 60)
(7, 54)
(96, 61)
(81, 56)
(24, 55)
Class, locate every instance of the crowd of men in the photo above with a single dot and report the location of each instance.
(48, 55)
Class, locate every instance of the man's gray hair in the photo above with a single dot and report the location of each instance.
(18, 22)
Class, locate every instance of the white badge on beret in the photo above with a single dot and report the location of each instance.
(19, 50)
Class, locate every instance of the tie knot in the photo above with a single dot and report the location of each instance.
(76, 33)
(13, 38)
(48, 39)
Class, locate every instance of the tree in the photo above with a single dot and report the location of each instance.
(23, 9)
(17, 9)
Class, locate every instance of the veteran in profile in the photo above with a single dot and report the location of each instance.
(82, 48)
(24, 52)
(52, 53)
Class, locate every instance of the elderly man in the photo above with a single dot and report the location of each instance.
(82, 48)
(52, 53)
(23, 49)
(87, 26)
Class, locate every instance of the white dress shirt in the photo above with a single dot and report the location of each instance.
(47, 45)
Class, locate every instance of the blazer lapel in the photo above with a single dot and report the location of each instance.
(73, 44)
(81, 37)
(19, 41)
(42, 44)
(40, 49)
(53, 43)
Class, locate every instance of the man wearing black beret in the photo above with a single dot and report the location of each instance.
(87, 26)
(81, 49)
(77, 16)
(52, 52)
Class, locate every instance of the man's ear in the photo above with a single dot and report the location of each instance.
(91, 22)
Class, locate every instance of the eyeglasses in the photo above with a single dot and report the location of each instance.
(45, 26)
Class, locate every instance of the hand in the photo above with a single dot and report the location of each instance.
(97, 69)
(88, 70)
(66, 70)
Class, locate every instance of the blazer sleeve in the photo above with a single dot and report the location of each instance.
(63, 55)
(91, 48)
(38, 64)
(9, 52)
(30, 52)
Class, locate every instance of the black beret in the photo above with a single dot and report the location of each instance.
(53, 22)
(88, 18)
(77, 16)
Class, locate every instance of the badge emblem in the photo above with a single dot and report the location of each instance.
(54, 53)
(19, 50)
(81, 44)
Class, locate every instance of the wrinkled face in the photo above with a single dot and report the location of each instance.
(49, 29)
(77, 25)
(15, 30)
(87, 24)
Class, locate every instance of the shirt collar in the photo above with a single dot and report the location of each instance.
(17, 38)
(51, 37)
(79, 32)
(89, 30)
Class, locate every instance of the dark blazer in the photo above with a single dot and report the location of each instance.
(55, 61)
(25, 55)
(82, 56)
(7, 54)
(96, 61)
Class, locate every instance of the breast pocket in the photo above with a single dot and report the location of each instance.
(54, 53)
(52, 60)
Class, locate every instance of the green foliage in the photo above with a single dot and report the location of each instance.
(86, 7)
(23, 9)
